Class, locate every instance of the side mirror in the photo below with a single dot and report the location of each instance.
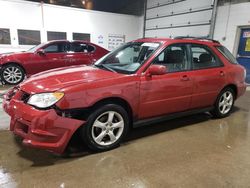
(40, 52)
(156, 70)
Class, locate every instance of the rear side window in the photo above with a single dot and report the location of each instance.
(203, 58)
(78, 47)
(81, 47)
(91, 48)
(227, 54)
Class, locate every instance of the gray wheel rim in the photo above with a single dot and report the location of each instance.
(12, 75)
(226, 102)
(107, 128)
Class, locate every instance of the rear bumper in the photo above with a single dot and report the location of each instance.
(241, 89)
(40, 128)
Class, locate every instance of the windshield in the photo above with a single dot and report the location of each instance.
(128, 58)
(34, 48)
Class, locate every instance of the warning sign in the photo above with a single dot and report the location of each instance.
(246, 34)
(247, 47)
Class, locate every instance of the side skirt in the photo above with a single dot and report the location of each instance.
(144, 122)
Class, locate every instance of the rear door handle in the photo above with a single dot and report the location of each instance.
(184, 78)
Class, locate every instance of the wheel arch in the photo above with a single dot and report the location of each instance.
(119, 101)
(110, 100)
(14, 63)
(233, 87)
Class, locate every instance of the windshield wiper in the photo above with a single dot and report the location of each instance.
(105, 67)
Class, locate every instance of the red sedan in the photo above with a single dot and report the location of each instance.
(54, 54)
(143, 81)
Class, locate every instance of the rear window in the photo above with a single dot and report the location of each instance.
(227, 54)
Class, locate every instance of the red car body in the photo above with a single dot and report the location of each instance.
(37, 59)
(144, 96)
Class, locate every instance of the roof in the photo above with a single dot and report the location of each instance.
(62, 40)
(198, 40)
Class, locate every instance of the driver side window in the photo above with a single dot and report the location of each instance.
(56, 48)
(174, 57)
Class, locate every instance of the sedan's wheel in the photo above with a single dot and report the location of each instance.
(224, 103)
(105, 127)
(12, 74)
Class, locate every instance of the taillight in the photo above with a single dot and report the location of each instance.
(245, 74)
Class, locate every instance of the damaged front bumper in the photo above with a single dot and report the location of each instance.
(43, 129)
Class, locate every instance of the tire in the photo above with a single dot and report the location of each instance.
(12, 74)
(224, 103)
(105, 127)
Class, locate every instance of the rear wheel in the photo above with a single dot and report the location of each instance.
(106, 127)
(12, 74)
(224, 103)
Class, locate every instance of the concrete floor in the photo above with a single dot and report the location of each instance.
(195, 151)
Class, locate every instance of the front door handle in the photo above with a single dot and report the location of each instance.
(222, 73)
(184, 78)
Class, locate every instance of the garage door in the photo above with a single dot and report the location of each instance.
(171, 18)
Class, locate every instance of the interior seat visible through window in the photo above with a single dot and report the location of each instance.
(174, 60)
(174, 57)
(203, 58)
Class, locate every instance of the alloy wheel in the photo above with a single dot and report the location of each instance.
(12, 74)
(226, 102)
(107, 128)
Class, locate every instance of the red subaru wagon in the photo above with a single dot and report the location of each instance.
(143, 81)
(14, 67)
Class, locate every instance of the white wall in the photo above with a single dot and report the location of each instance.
(19, 14)
(229, 18)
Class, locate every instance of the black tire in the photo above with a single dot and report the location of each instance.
(17, 72)
(89, 131)
(217, 112)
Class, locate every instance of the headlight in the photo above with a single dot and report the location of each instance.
(45, 100)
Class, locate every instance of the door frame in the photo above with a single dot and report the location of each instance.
(237, 38)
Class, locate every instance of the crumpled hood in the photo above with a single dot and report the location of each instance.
(56, 79)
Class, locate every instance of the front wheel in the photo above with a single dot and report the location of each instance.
(106, 127)
(12, 74)
(224, 103)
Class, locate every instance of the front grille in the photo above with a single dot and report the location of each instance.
(24, 97)
(19, 94)
(21, 127)
(80, 113)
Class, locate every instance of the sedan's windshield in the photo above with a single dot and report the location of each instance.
(128, 58)
(34, 48)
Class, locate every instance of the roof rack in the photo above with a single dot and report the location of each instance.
(197, 38)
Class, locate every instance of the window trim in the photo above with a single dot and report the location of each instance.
(221, 64)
